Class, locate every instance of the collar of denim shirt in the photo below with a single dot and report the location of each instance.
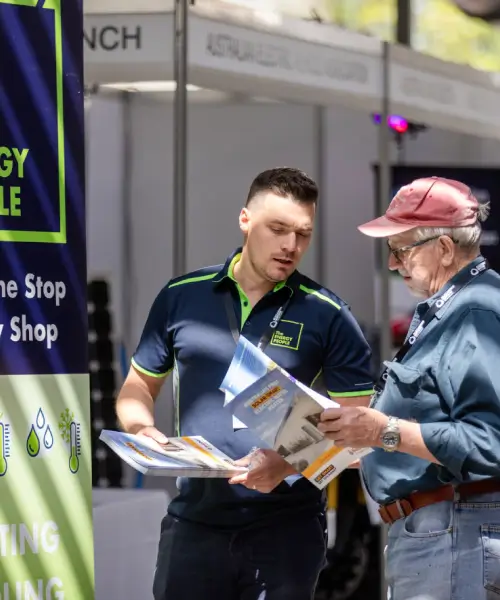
(423, 306)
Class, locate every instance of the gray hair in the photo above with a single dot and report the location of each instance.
(466, 237)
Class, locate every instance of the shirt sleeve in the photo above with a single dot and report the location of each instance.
(154, 355)
(347, 364)
(468, 442)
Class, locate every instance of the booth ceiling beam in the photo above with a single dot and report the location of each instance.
(235, 51)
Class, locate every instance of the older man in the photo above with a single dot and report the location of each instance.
(434, 422)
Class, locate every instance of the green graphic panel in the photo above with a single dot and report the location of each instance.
(46, 536)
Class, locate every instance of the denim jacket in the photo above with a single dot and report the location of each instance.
(449, 383)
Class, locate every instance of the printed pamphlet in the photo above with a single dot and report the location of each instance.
(248, 364)
(180, 457)
(284, 413)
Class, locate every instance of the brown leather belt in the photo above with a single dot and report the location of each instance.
(399, 509)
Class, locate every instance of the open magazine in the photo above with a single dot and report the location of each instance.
(284, 413)
(180, 457)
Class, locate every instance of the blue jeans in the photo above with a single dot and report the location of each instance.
(446, 551)
(281, 561)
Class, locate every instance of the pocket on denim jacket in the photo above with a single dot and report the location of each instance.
(403, 373)
(490, 537)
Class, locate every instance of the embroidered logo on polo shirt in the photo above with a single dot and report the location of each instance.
(287, 334)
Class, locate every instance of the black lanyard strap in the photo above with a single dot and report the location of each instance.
(266, 336)
(445, 298)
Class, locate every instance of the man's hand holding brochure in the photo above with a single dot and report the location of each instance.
(284, 413)
(262, 396)
(178, 457)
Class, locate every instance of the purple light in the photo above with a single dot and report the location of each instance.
(398, 123)
(395, 122)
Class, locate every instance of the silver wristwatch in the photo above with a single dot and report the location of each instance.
(391, 435)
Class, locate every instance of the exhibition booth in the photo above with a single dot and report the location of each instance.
(298, 70)
(263, 89)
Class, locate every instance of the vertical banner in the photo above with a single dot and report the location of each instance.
(46, 537)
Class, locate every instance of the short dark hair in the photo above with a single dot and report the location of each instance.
(285, 182)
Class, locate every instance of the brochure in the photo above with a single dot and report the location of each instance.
(284, 413)
(248, 365)
(180, 457)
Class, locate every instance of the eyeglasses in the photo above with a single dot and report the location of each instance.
(398, 252)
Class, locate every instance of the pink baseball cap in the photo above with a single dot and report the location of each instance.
(426, 202)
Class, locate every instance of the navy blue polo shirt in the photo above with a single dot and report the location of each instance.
(188, 331)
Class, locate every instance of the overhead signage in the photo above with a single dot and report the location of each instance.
(281, 64)
(110, 38)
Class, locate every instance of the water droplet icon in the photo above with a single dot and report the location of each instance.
(48, 438)
(40, 419)
(33, 443)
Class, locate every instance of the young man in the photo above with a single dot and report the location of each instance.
(261, 535)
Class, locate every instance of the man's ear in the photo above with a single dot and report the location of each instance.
(447, 250)
(244, 220)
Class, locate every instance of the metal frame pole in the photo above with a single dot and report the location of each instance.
(180, 136)
(87, 105)
(403, 23)
(384, 192)
(127, 245)
(319, 122)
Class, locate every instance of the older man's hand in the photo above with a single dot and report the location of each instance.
(267, 470)
(353, 426)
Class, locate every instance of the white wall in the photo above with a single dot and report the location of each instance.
(104, 152)
(228, 146)
(104, 132)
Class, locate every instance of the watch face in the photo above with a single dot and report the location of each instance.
(390, 439)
